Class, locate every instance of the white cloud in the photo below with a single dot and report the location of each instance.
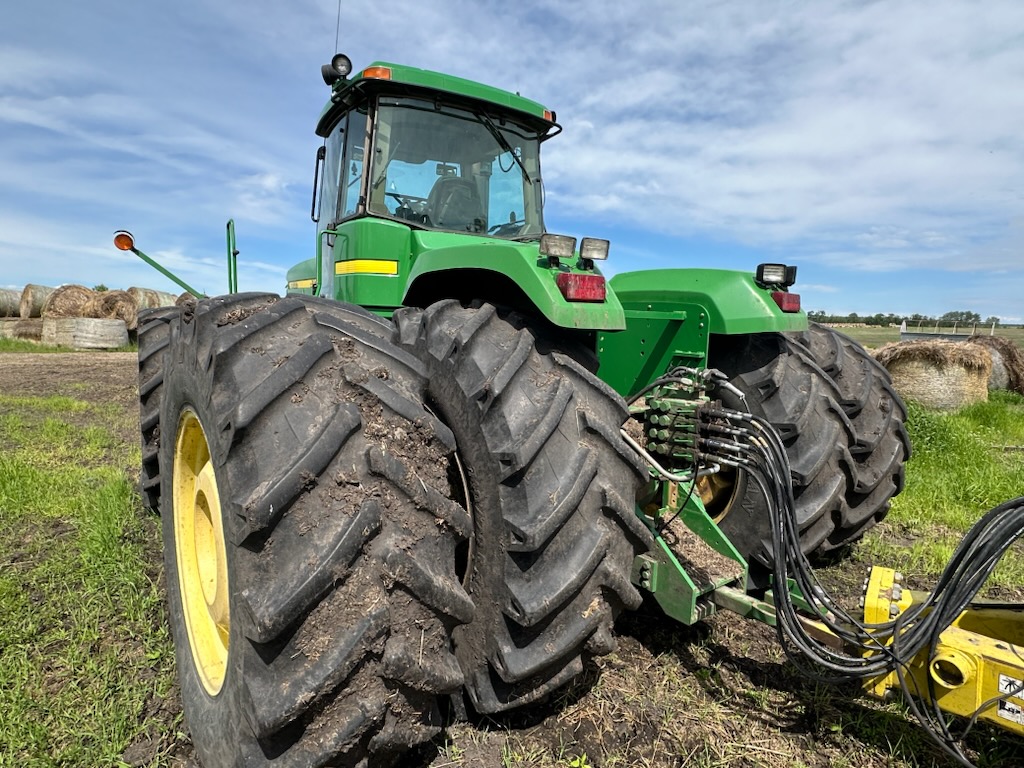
(874, 137)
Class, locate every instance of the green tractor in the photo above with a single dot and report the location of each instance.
(436, 470)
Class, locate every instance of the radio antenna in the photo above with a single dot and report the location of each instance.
(337, 30)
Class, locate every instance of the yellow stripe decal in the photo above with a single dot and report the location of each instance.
(302, 284)
(366, 267)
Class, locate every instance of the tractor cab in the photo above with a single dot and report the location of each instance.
(440, 167)
(410, 159)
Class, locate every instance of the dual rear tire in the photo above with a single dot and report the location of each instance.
(843, 427)
(336, 569)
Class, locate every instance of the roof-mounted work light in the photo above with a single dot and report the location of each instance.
(339, 68)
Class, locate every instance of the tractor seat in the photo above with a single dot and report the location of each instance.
(454, 203)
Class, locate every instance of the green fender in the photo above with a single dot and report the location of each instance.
(438, 268)
(734, 301)
(670, 315)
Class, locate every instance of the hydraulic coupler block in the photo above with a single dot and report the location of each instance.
(670, 428)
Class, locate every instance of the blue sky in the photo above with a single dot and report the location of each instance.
(878, 146)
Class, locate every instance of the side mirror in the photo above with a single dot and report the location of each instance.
(314, 214)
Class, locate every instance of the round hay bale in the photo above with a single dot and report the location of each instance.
(164, 299)
(943, 375)
(186, 300)
(114, 305)
(139, 294)
(67, 301)
(84, 333)
(32, 300)
(147, 298)
(10, 303)
(1000, 376)
(1007, 362)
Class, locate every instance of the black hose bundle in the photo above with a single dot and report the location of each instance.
(751, 443)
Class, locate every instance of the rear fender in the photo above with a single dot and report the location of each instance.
(670, 314)
(503, 274)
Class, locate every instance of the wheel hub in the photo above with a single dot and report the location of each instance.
(718, 492)
(200, 553)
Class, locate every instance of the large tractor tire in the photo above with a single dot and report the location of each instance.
(154, 334)
(841, 423)
(310, 556)
(551, 487)
(880, 445)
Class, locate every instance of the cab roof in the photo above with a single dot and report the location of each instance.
(385, 76)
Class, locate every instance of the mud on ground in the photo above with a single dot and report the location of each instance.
(717, 694)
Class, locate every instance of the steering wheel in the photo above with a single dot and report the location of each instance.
(415, 204)
(507, 227)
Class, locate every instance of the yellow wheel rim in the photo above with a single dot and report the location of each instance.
(200, 553)
(718, 492)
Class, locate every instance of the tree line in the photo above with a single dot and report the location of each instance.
(962, 317)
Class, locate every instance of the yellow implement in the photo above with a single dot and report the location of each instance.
(977, 668)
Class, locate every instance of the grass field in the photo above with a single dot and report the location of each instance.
(20, 345)
(963, 464)
(874, 336)
(85, 656)
(86, 664)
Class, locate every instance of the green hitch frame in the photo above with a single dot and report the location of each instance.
(232, 258)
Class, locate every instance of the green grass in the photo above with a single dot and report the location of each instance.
(963, 464)
(84, 652)
(20, 345)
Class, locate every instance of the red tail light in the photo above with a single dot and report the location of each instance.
(581, 287)
(788, 302)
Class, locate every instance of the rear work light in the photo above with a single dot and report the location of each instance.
(788, 302)
(775, 274)
(557, 246)
(593, 248)
(575, 287)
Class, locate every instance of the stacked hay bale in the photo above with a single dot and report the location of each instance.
(146, 298)
(32, 299)
(113, 305)
(943, 375)
(84, 333)
(1007, 362)
(67, 301)
(76, 316)
(10, 303)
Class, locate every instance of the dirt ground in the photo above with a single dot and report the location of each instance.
(716, 694)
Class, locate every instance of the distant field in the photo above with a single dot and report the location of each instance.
(873, 336)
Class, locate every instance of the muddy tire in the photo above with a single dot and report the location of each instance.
(154, 333)
(309, 555)
(879, 444)
(551, 487)
(843, 433)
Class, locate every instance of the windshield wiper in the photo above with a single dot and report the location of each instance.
(384, 171)
(503, 143)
